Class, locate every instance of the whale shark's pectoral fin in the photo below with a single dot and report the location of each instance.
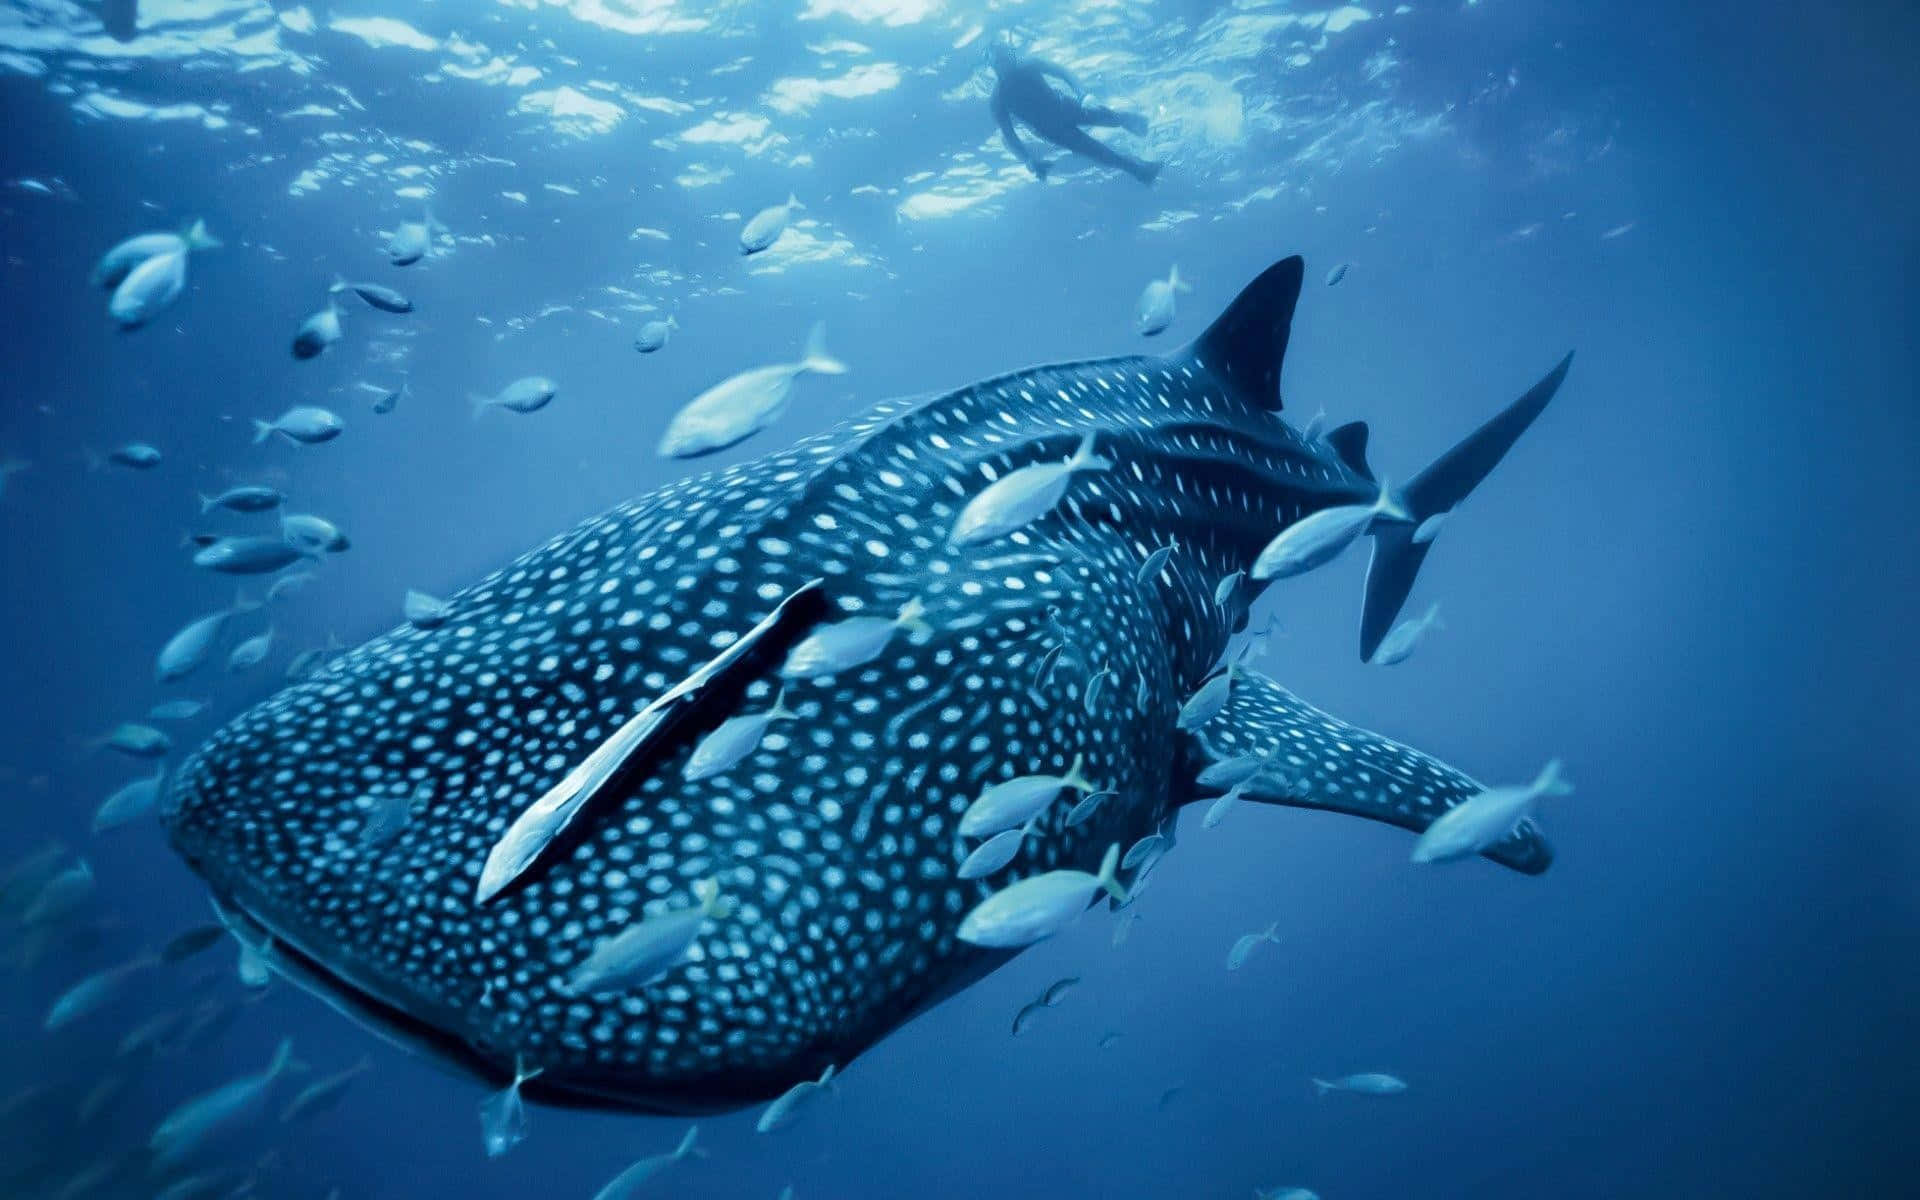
(1318, 761)
(614, 759)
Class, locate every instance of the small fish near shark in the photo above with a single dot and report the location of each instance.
(556, 716)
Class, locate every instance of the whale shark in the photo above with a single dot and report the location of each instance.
(434, 831)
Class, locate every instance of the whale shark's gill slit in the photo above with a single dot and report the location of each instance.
(540, 825)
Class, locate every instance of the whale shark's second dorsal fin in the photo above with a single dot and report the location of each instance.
(1350, 443)
(1246, 344)
(1318, 761)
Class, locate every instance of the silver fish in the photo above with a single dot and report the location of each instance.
(642, 953)
(1371, 1083)
(186, 650)
(1399, 644)
(787, 1107)
(1039, 906)
(302, 423)
(312, 535)
(1489, 816)
(252, 652)
(194, 1124)
(244, 499)
(1018, 800)
(1151, 568)
(742, 405)
(317, 332)
(736, 738)
(130, 802)
(503, 1115)
(412, 240)
(528, 394)
(1155, 310)
(653, 335)
(425, 612)
(137, 741)
(1319, 537)
(766, 226)
(627, 1183)
(383, 298)
(1246, 944)
(248, 555)
(851, 643)
(1021, 497)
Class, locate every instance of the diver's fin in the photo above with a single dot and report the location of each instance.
(541, 823)
(1396, 556)
(1350, 443)
(1246, 344)
(1318, 761)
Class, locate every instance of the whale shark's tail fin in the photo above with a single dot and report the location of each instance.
(1313, 760)
(1435, 491)
(1246, 344)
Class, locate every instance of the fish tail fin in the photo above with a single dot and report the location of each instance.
(1084, 459)
(913, 616)
(1076, 778)
(686, 1145)
(793, 202)
(243, 604)
(206, 503)
(262, 430)
(1551, 782)
(712, 903)
(1317, 761)
(479, 403)
(197, 237)
(815, 358)
(282, 1058)
(338, 285)
(1444, 484)
(673, 322)
(1107, 878)
(1271, 932)
(1433, 616)
(780, 711)
(1175, 282)
(1321, 1087)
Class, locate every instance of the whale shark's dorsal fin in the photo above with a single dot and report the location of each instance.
(1246, 344)
(543, 821)
(1318, 761)
(1350, 443)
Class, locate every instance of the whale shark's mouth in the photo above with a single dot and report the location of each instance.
(395, 1021)
(358, 999)
(400, 1024)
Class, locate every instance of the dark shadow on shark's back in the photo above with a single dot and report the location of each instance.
(348, 818)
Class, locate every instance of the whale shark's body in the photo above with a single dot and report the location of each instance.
(835, 840)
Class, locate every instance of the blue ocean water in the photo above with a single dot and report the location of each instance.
(1692, 580)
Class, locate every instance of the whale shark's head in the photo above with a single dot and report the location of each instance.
(346, 819)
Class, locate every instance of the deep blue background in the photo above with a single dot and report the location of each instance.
(1694, 581)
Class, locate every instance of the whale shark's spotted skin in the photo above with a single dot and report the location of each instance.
(836, 839)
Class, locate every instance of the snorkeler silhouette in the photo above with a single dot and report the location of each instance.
(1022, 91)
